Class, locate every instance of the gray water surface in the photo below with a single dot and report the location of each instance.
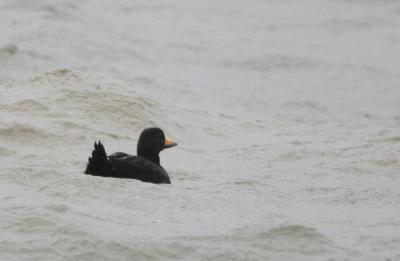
(286, 114)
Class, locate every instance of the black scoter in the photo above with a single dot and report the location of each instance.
(145, 166)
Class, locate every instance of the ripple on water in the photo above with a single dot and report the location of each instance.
(28, 105)
(9, 49)
(273, 62)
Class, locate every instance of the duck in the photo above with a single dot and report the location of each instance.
(145, 166)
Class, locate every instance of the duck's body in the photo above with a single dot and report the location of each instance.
(136, 167)
(145, 167)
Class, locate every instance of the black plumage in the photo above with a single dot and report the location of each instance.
(145, 166)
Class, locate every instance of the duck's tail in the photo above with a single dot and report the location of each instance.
(98, 164)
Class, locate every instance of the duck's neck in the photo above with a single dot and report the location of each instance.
(154, 157)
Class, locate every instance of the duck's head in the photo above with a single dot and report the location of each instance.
(151, 142)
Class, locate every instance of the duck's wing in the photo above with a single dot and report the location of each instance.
(135, 167)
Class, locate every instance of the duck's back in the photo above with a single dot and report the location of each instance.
(136, 167)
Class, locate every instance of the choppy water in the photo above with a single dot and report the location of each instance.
(286, 114)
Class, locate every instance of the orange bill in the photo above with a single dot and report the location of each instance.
(169, 143)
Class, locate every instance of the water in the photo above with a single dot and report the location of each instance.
(286, 114)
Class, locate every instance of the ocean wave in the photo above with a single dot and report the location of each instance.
(22, 132)
(281, 243)
(71, 101)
